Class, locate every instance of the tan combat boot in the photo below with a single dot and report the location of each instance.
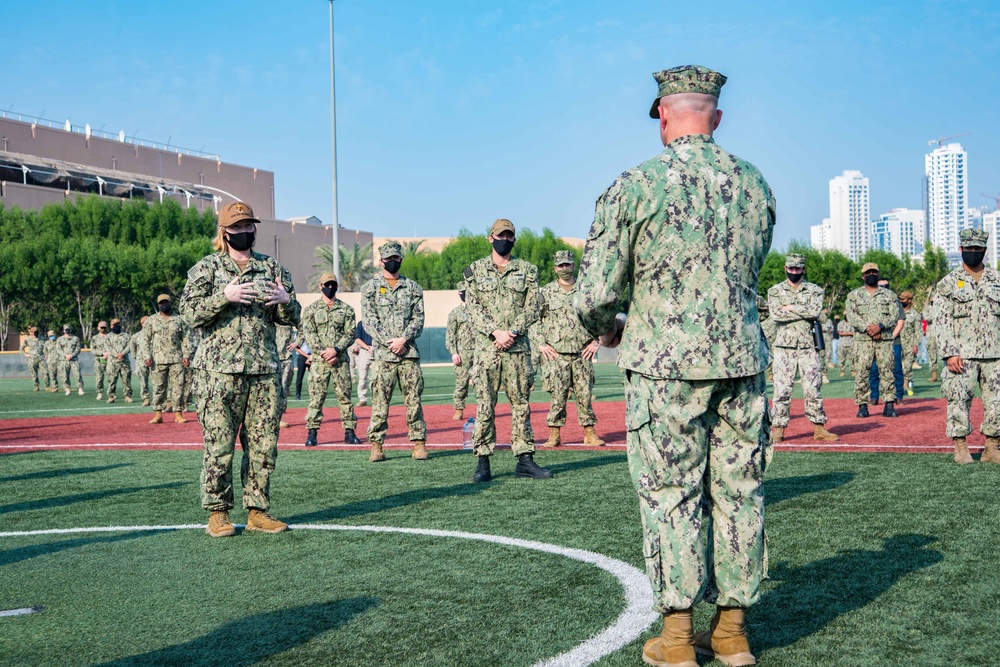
(675, 645)
(283, 424)
(934, 377)
(822, 435)
(100, 395)
(377, 454)
(111, 399)
(991, 454)
(128, 399)
(145, 402)
(727, 639)
(554, 438)
(419, 450)
(80, 391)
(778, 434)
(179, 418)
(590, 437)
(458, 415)
(962, 454)
(219, 524)
(263, 522)
(157, 418)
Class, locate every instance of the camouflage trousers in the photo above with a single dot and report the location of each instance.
(959, 388)
(385, 375)
(55, 371)
(143, 376)
(569, 371)
(168, 378)
(932, 351)
(909, 356)
(697, 451)
(463, 378)
(118, 370)
(866, 351)
(319, 384)
(249, 406)
(100, 371)
(536, 362)
(807, 361)
(286, 374)
(827, 351)
(68, 369)
(845, 353)
(39, 371)
(514, 372)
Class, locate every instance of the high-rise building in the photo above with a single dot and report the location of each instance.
(946, 170)
(849, 228)
(819, 235)
(900, 231)
(991, 221)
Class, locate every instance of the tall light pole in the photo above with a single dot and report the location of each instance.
(333, 146)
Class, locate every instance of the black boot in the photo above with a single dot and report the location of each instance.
(862, 410)
(889, 410)
(482, 473)
(874, 401)
(311, 438)
(526, 467)
(350, 437)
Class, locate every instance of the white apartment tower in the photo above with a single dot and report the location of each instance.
(819, 235)
(901, 231)
(991, 223)
(946, 169)
(850, 214)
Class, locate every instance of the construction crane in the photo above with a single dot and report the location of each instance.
(995, 198)
(940, 140)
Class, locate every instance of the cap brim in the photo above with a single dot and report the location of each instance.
(653, 113)
(234, 222)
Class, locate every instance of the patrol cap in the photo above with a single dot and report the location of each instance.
(686, 79)
(327, 277)
(502, 225)
(795, 261)
(101, 324)
(869, 266)
(67, 327)
(115, 321)
(461, 286)
(906, 295)
(973, 238)
(163, 297)
(390, 249)
(564, 257)
(234, 212)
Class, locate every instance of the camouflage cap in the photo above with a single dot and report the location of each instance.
(870, 266)
(102, 325)
(795, 261)
(234, 212)
(973, 238)
(390, 249)
(564, 257)
(163, 297)
(906, 295)
(461, 286)
(67, 327)
(327, 277)
(686, 79)
(115, 321)
(502, 225)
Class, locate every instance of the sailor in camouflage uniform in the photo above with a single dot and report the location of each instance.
(189, 394)
(930, 314)
(460, 342)
(68, 347)
(283, 339)
(826, 325)
(909, 338)
(328, 330)
(873, 312)
(33, 349)
(845, 351)
(100, 357)
(52, 360)
(237, 297)
(967, 326)
(568, 352)
(166, 352)
(688, 232)
(392, 309)
(769, 328)
(135, 347)
(501, 299)
(116, 346)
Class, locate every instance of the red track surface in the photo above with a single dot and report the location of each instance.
(919, 428)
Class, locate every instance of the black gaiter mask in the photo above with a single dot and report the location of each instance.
(794, 277)
(329, 292)
(973, 258)
(871, 281)
(164, 307)
(392, 265)
(503, 246)
(242, 241)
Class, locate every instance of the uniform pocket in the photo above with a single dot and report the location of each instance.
(654, 564)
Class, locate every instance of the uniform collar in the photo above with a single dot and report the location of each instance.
(691, 139)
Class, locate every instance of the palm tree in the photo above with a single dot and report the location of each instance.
(356, 266)
(411, 247)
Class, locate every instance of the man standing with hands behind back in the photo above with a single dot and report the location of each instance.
(685, 234)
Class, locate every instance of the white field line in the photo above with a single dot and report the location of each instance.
(629, 626)
(20, 612)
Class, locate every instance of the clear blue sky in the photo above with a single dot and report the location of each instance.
(453, 113)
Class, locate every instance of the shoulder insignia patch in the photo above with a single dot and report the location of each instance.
(468, 272)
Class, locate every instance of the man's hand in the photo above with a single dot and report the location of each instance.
(954, 364)
(503, 339)
(549, 352)
(148, 363)
(291, 346)
(915, 349)
(398, 346)
(186, 362)
(457, 360)
(237, 293)
(329, 355)
(877, 336)
(590, 351)
(121, 357)
(69, 357)
(276, 293)
(873, 329)
(787, 306)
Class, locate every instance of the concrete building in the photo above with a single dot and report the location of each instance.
(947, 195)
(900, 231)
(991, 223)
(850, 214)
(819, 235)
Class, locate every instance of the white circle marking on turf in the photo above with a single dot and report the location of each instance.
(21, 611)
(628, 627)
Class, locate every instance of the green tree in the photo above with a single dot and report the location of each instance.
(356, 266)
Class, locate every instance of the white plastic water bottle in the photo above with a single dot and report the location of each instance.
(467, 431)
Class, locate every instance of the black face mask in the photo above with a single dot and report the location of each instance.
(503, 246)
(392, 265)
(461, 295)
(871, 281)
(973, 258)
(794, 277)
(242, 241)
(164, 307)
(116, 329)
(328, 292)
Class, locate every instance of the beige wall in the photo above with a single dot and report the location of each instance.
(437, 304)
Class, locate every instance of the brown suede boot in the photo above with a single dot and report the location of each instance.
(263, 522)
(377, 454)
(179, 418)
(934, 377)
(457, 416)
(145, 402)
(419, 450)
(727, 639)
(219, 524)
(962, 454)
(554, 439)
(675, 645)
(590, 437)
(157, 418)
(991, 453)
(822, 435)
(778, 433)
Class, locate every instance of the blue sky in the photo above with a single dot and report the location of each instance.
(451, 114)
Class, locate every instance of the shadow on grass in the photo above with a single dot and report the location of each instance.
(583, 464)
(248, 641)
(392, 502)
(64, 472)
(63, 501)
(19, 554)
(785, 488)
(810, 597)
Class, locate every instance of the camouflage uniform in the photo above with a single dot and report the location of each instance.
(967, 324)
(394, 312)
(826, 324)
(52, 361)
(845, 352)
(189, 394)
(135, 347)
(239, 387)
(460, 340)
(882, 307)
(67, 344)
(97, 347)
(688, 231)
(560, 329)
(322, 327)
(794, 348)
(115, 344)
(283, 337)
(33, 348)
(502, 299)
(769, 328)
(167, 341)
(909, 338)
(930, 314)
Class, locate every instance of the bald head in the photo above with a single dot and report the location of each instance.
(688, 113)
